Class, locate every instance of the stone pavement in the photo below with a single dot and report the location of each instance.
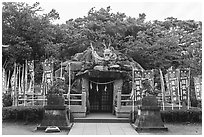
(102, 129)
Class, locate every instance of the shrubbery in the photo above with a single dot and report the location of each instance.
(35, 113)
(28, 113)
(191, 115)
(6, 100)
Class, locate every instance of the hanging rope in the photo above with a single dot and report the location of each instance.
(100, 83)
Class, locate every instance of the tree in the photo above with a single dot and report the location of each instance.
(27, 32)
(157, 44)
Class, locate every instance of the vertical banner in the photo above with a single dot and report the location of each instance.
(16, 85)
(48, 74)
(149, 74)
(8, 81)
(3, 80)
(19, 81)
(13, 81)
(22, 81)
(198, 87)
(173, 84)
(32, 82)
(23, 84)
(69, 88)
(167, 93)
(184, 83)
(26, 77)
(61, 71)
(31, 73)
(26, 83)
(137, 87)
(162, 88)
(138, 76)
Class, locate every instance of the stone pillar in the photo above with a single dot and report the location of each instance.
(83, 100)
(85, 89)
(118, 100)
(55, 114)
(117, 89)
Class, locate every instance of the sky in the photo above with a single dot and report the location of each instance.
(154, 9)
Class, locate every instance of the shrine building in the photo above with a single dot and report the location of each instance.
(101, 81)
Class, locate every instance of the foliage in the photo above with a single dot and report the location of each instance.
(192, 115)
(154, 45)
(28, 113)
(26, 31)
(57, 88)
(7, 100)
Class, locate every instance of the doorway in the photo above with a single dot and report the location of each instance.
(101, 96)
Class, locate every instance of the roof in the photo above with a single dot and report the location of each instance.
(93, 61)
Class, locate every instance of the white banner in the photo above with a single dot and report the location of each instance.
(198, 87)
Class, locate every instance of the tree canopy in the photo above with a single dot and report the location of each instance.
(153, 44)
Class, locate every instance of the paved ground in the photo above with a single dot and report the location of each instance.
(19, 128)
(102, 129)
(178, 129)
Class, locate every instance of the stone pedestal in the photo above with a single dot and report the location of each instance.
(55, 114)
(149, 117)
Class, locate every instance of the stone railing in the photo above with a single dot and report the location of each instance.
(124, 105)
(78, 104)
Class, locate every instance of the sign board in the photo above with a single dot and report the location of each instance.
(173, 84)
(48, 74)
(184, 83)
(138, 76)
(31, 73)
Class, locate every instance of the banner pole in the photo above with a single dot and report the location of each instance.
(16, 96)
(4, 79)
(189, 89)
(133, 99)
(162, 88)
(69, 89)
(33, 83)
(42, 85)
(19, 82)
(178, 85)
(23, 84)
(61, 71)
(26, 80)
(8, 80)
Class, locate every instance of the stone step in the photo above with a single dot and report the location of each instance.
(101, 120)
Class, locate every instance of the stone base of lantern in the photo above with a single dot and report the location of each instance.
(149, 117)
